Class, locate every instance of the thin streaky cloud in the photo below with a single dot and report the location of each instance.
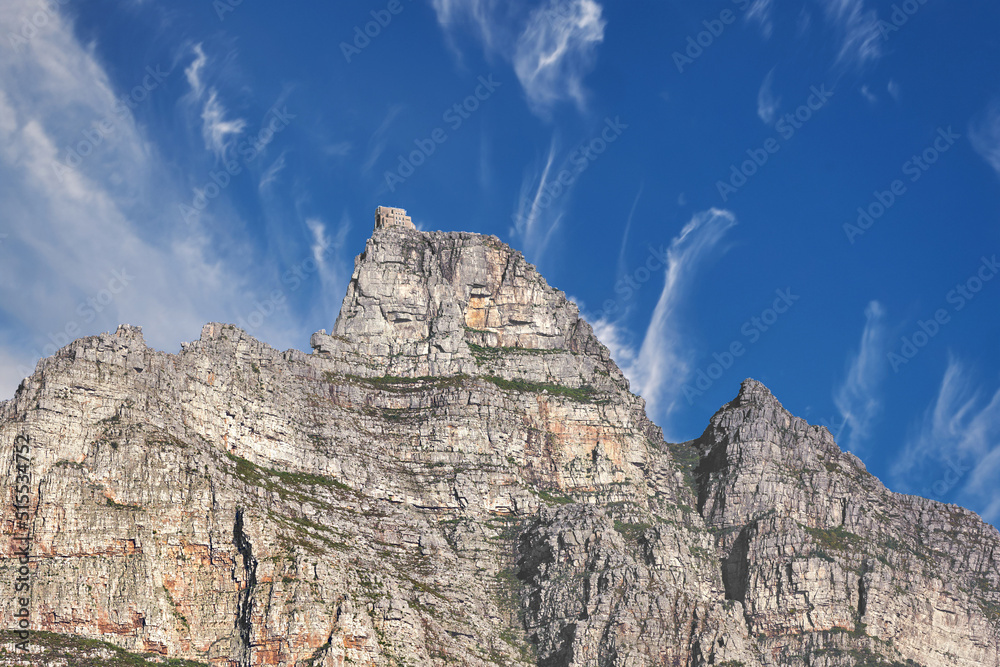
(538, 213)
(455, 15)
(767, 103)
(320, 242)
(858, 27)
(760, 13)
(218, 131)
(193, 71)
(618, 340)
(858, 398)
(984, 135)
(115, 214)
(982, 490)
(956, 445)
(328, 251)
(379, 142)
(628, 229)
(803, 23)
(557, 50)
(270, 174)
(339, 149)
(663, 362)
(552, 47)
(894, 89)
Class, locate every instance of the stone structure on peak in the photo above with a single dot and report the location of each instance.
(387, 216)
(457, 475)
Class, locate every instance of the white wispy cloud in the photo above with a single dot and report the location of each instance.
(662, 364)
(103, 253)
(557, 50)
(538, 213)
(981, 491)
(270, 174)
(956, 446)
(618, 340)
(760, 13)
(615, 337)
(334, 272)
(320, 242)
(984, 135)
(379, 139)
(628, 228)
(893, 89)
(867, 93)
(552, 47)
(339, 149)
(767, 103)
(858, 398)
(858, 27)
(217, 130)
(193, 71)
(803, 23)
(94, 242)
(456, 15)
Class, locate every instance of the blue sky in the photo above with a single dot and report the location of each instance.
(804, 193)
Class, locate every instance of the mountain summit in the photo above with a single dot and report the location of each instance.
(457, 474)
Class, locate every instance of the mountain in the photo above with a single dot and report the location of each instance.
(457, 474)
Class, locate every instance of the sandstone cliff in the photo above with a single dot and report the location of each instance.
(458, 474)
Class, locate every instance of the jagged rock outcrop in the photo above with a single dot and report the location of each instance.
(458, 474)
(811, 543)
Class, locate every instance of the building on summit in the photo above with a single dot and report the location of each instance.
(386, 216)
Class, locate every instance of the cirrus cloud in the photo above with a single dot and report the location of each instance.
(658, 369)
(552, 47)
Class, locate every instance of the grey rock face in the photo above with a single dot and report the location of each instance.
(813, 544)
(458, 474)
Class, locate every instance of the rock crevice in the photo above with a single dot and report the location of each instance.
(247, 580)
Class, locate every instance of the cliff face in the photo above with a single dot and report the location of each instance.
(811, 543)
(458, 474)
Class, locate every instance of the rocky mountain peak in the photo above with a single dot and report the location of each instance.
(458, 474)
(753, 392)
(436, 303)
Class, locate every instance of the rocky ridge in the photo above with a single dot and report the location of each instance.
(458, 474)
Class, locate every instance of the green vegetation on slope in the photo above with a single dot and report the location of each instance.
(81, 652)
